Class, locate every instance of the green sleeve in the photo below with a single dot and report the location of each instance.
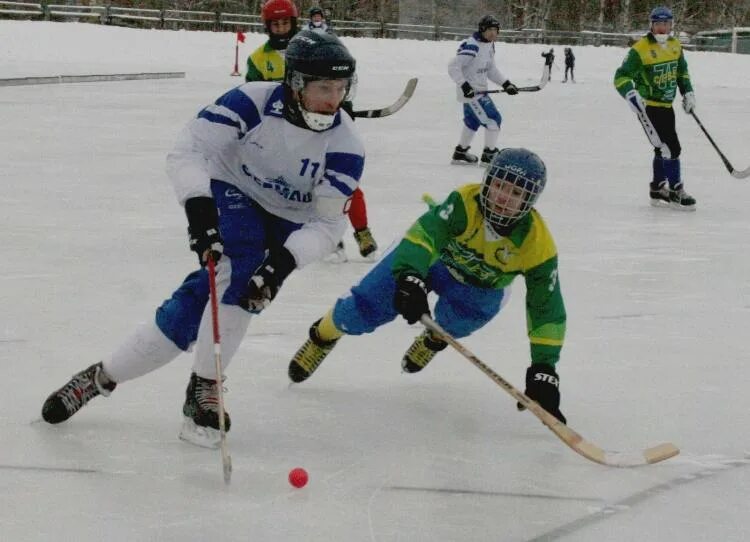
(545, 312)
(683, 77)
(253, 73)
(422, 244)
(627, 72)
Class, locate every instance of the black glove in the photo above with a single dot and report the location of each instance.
(203, 228)
(542, 386)
(467, 89)
(510, 89)
(267, 279)
(411, 298)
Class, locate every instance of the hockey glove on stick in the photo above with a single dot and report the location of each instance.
(638, 106)
(467, 89)
(410, 299)
(203, 229)
(510, 89)
(688, 102)
(267, 279)
(635, 101)
(542, 385)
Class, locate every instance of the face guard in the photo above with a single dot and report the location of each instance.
(512, 184)
(319, 122)
(313, 57)
(661, 14)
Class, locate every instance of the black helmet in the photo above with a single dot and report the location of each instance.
(316, 11)
(488, 21)
(311, 56)
(314, 55)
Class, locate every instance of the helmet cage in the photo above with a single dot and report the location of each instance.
(519, 193)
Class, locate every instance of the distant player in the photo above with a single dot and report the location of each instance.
(468, 250)
(266, 63)
(549, 60)
(317, 21)
(570, 64)
(265, 174)
(472, 66)
(648, 79)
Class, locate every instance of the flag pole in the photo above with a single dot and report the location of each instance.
(238, 38)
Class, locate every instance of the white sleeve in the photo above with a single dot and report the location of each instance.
(456, 67)
(345, 159)
(495, 75)
(316, 239)
(187, 163)
(218, 128)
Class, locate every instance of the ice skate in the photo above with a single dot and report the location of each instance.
(365, 242)
(309, 356)
(421, 352)
(338, 255)
(659, 194)
(81, 389)
(681, 200)
(488, 154)
(461, 156)
(201, 410)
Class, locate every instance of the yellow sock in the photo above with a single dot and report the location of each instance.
(327, 330)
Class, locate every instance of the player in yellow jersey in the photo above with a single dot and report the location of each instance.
(266, 63)
(649, 77)
(467, 250)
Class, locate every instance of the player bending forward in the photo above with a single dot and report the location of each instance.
(467, 250)
(265, 174)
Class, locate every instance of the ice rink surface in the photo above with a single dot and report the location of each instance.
(657, 301)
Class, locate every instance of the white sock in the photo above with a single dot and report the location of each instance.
(491, 137)
(466, 137)
(144, 351)
(233, 324)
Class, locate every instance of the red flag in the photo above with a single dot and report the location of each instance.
(241, 37)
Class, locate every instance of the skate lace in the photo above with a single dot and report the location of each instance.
(207, 395)
(80, 390)
(419, 353)
(311, 355)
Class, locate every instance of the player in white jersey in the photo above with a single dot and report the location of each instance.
(265, 174)
(472, 66)
(317, 21)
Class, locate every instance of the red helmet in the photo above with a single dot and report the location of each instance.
(278, 9)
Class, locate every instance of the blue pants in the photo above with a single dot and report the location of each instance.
(482, 112)
(248, 231)
(461, 309)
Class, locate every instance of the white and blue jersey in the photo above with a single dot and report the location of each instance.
(474, 63)
(299, 175)
(274, 184)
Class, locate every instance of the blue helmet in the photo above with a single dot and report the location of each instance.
(503, 205)
(661, 14)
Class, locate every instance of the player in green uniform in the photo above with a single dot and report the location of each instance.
(266, 63)
(648, 79)
(467, 250)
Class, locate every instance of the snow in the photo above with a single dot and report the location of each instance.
(657, 302)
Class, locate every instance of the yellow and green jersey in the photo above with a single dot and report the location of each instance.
(655, 70)
(456, 233)
(265, 64)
